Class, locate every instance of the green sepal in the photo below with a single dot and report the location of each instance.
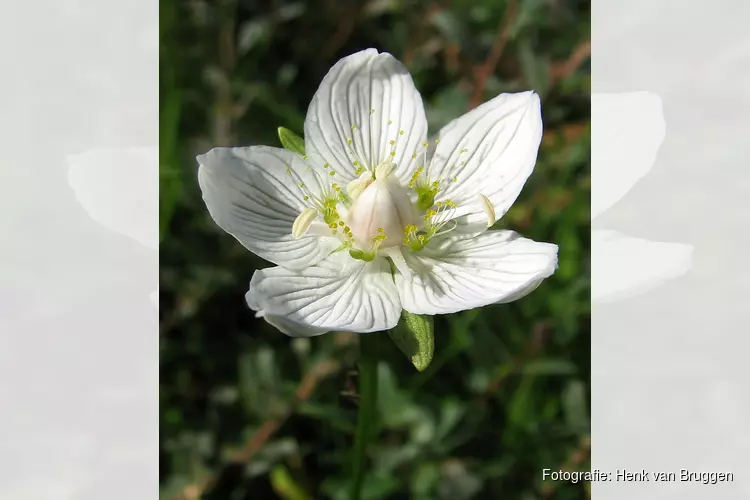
(291, 141)
(415, 336)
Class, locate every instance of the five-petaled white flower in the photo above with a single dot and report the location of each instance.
(374, 217)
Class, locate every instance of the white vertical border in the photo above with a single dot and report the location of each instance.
(671, 283)
(78, 258)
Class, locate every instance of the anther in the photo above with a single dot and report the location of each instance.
(488, 209)
(303, 222)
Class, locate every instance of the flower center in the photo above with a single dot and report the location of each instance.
(375, 212)
(378, 213)
(381, 211)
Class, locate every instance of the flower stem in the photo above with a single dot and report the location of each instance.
(368, 394)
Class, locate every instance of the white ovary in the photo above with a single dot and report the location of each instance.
(384, 207)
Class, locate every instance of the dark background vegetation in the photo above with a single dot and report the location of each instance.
(248, 413)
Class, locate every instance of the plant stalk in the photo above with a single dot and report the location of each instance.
(368, 395)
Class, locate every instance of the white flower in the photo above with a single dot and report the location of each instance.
(371, 194)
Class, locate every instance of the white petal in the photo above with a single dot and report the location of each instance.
(397, 258)
(366, 90)
(284, 325)
(339, 293)
(623, 267)
(500, 141)
(119, 188)
(292, 328)
(627, 131)
(250, 196)
(457, 274)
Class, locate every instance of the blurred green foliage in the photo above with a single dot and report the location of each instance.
(248, 413)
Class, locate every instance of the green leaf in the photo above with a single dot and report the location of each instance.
(291, 141)
(415, 336)
(285, 486)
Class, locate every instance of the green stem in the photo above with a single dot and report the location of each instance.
(368, 395)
